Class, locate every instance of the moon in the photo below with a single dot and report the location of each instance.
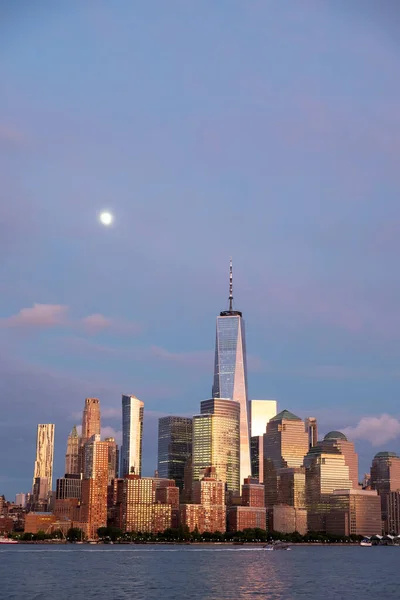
(106, 218)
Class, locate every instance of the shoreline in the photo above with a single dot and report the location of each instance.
(247, 544)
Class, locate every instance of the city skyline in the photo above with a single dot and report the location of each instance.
(210, 148)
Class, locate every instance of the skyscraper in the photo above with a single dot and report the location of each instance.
(112, 459)
(44, 455)
(261, 411)
(285, 445)
(312, 430)
(90, 419)
(94, 484)
(132, 433)
(72, 454)
(174, 447)
(337, 439)
(385, 478)
(216, 441)
(230, 372)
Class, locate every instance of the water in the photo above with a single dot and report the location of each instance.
(197, 572)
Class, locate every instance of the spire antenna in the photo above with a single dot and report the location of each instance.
(230, 286)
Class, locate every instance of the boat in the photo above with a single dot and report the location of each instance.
(4, 540)
(366, 543)
(277, 546)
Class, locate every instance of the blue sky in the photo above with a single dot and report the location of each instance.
(263, 130)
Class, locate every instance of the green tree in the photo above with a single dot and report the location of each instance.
(75, 534)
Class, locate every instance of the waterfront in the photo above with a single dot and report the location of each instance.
(198, 573)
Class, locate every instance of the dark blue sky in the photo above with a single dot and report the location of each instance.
(265, 130)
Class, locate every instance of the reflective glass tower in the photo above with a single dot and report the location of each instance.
(132, 434)
(230, 372)
(174, 447)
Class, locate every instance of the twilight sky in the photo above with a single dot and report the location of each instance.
(265, 130)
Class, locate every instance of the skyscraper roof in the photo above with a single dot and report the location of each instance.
(287, 415)
(335, 435)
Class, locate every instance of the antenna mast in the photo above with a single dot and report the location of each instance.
(230, 286)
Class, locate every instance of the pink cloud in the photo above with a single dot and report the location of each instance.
(9, 135)
(97, 322)
(376, 430)
(39, 315)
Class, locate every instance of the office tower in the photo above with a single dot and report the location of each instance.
(174, 447)
(337, 439)
(90, 419)
(326, 471)
(132, 433)
(20, 500)
(261, 411)
(285, 445)
(312, 430)
(44, 457)
(94, 485)
(393, 513)
(112, 459)
(216, 441)
(210, 494)
(69, 486)
(140, 511)
(385, 478)
(72, 454)
(230, 372)
(354, 512)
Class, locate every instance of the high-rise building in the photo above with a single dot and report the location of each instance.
(337, 439)
(354, 512)
(385, 478)
(69, 486)
(393, 513)
(285, 445)
(140, 509)
(261, 411)
(174, 447)
(216, 441)
(91, 425)
(210, 493)
(326, 471)
(91, 419)
(112, 459)
(94, 484)
(132, 433)
(72, 454)
(230, 372)
(44, 455)
(312, 430)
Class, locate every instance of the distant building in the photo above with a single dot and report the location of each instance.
(252, 513)
(72, 454)
(91, 425)
(174, 447)
(289, 519)
(261, 411)
(393, 513)
(210, 494)
(142, 509)
(132, 435)
(385, 478)
(39, 521)
(337, 439)
(354, 512)
(94, 485)
(112, 459)
(216, 441)
(326, 471)
(20, 500)
(69, 486)
(312, 430)
(44, 460)
(230, 373)
(285, 445)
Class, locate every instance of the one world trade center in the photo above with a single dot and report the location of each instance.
(230, 372)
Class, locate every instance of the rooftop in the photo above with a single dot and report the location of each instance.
(386, 455)
(335, 435)
(287, 415)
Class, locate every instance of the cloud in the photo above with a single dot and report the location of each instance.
(40, 315)
(57, 315)
(376, 430)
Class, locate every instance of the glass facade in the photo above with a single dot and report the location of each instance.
(285, 445)
(230, 376)
(132, 434)
(216, 441)
(385, 478)
(72, 454)
(354, 512)
(174, 447)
